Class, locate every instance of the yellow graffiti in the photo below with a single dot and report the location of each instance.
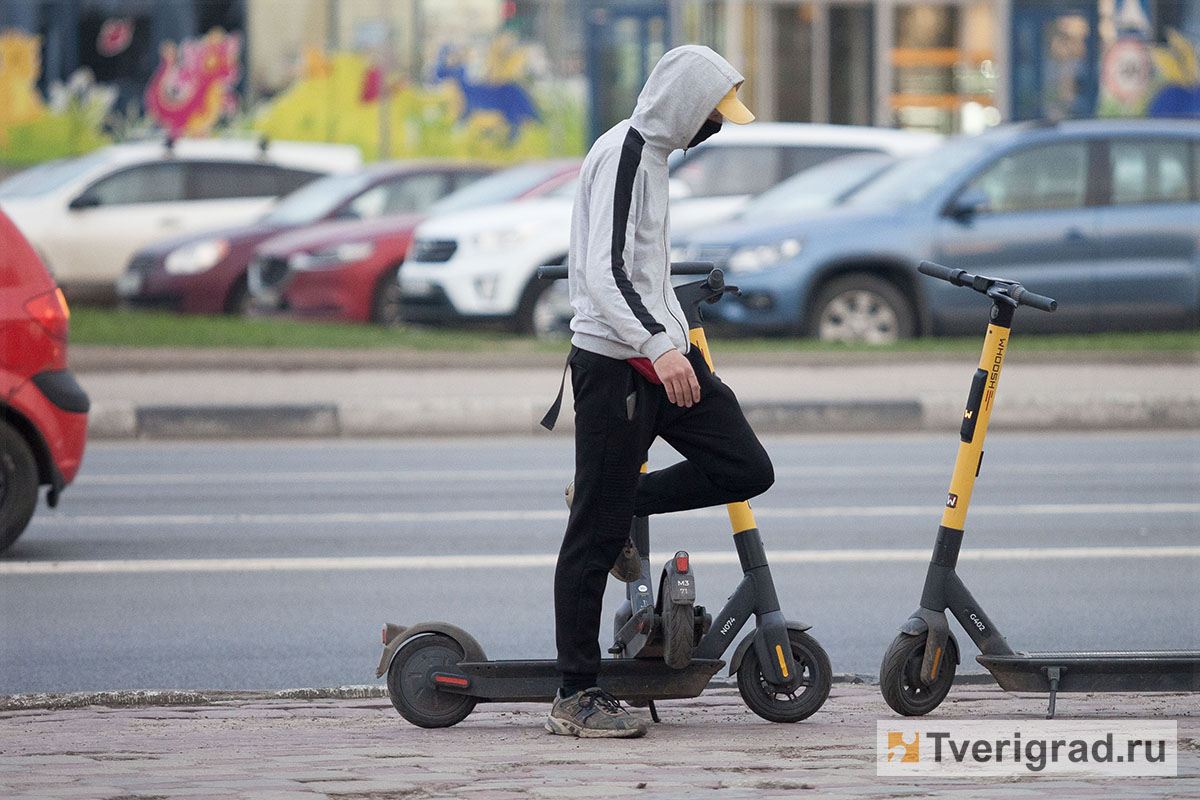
(20, 66)
(1177, 63)
(342, 97)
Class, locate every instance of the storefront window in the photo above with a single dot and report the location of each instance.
(943, 66)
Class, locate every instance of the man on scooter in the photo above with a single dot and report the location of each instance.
(635, 376)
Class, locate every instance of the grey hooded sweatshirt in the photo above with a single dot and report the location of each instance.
(619, 258)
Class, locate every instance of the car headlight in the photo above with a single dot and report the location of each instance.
(761, 256)
(196, 257)
(331, 257)
(505, 237)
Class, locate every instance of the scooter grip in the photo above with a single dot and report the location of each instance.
(1027, 298)
(554, 273)
(947, 274)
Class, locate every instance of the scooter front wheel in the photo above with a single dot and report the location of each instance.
(900, 676)
(411, 687)
(797, 702)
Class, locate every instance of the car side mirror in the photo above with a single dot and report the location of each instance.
(678, 189)
(968, 204)
(84, 201)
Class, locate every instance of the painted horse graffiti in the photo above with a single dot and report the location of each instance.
(507, 99)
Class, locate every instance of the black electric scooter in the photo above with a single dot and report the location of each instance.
(919, 666)
(665, 646)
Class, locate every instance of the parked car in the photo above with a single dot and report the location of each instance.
(205, 273)
(481, 265)
(87, 215)
(43, 410)
(1101, 215)
(348, 270)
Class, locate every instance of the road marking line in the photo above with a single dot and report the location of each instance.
(547, 560)
(551, 475)
(437, 517)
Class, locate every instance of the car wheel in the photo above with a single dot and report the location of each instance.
(862, 309)
(545, 310)
(18, 485)
(385, 303)
(237, 303)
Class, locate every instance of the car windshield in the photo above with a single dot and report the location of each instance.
(909, 181)
(819, 187)
(317, 200)
(497, 188)
(45, 178)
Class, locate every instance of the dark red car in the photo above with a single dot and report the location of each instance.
(43, 410)
(347, 270)
(205, 273)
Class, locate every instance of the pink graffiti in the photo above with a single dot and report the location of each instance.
(188, 94)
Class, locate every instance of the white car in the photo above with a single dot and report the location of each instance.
(481, 264)
(87, 215)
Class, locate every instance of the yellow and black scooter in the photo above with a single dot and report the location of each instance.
(919, 666)
(664, 648)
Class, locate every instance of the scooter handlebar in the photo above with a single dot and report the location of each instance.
(677, 268)
(941, 273)
(1024, 297)
(959, 277)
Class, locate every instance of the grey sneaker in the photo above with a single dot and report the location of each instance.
(591, 714)
(628, 566)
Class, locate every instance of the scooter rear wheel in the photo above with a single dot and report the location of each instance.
(814, 676)
(679, 634)
(900, 676)
(411, 687)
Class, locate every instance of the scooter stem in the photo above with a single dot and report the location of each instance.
(976, 417)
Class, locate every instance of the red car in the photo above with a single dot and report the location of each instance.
(347, 270)
(43, 410)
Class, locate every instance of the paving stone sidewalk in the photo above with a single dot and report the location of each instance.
(263, 748)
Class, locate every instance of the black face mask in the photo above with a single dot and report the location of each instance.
(706, 130)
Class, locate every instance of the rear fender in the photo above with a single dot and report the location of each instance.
(396, 635)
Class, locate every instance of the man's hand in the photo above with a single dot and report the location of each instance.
(678, 378)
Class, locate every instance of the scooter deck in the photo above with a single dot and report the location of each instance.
(633, 680)
(1100, 671)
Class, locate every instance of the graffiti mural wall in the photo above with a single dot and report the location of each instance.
(488, 113)
(486, 96)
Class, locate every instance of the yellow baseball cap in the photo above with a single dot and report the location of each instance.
(732, 109)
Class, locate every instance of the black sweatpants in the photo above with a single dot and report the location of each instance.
(618, 414)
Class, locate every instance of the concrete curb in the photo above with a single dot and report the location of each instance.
(151, 698)
(482, 416)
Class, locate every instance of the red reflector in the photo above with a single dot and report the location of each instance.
(681, 562)
(451, 680)
(385, 634)
(51, 312)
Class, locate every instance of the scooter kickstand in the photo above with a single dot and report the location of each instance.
(1054, 674)
(653, 711)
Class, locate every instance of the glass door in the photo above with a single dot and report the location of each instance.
(624, 42)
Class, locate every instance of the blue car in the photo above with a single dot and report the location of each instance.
(1102, 215)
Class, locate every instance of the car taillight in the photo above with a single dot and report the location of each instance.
(51, 312)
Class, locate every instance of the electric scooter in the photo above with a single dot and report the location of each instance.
(919, 666)
(664, 645)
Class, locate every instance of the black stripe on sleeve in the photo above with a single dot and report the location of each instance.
(631, 156)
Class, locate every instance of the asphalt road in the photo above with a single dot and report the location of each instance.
(271, 565)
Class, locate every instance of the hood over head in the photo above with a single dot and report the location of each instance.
(682, 90)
